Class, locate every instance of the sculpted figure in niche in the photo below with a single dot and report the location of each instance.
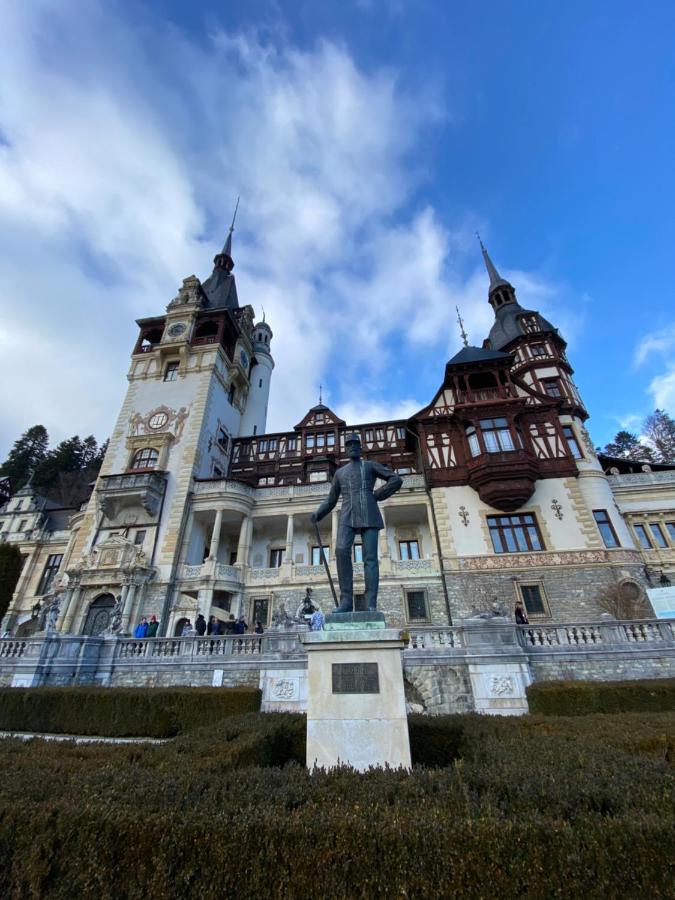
(359, 515)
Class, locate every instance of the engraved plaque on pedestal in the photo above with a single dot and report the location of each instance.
(355, 678)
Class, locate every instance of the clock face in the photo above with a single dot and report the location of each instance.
(177, 329)
(244, 359)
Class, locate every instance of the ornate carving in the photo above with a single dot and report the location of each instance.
(464, 516)
(159, 420)
(502, 684)
(536, 560)
(557, 509)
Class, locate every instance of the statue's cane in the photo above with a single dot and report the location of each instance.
(325, 563)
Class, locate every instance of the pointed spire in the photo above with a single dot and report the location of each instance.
(465, 339)
(320, 395)
(496, 279)
(227, 249)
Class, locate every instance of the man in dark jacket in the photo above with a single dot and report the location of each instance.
(359, 514)
(200, 625)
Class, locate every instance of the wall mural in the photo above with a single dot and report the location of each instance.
(159, 420)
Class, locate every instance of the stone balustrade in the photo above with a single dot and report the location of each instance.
(595, 634)
(435, 638)
(185, 648)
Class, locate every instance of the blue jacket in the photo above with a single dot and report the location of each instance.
(141, 630)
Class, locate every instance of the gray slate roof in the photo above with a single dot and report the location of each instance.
(507, 325)
(476, 354)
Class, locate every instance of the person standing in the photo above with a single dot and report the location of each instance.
(200, 625)
(317, 620)
(153, 625)
(141, 630)
(520, 614)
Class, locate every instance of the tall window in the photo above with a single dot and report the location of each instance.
(417, 607)
(231, 391)
(671, 530)
(605, 528)
(309, 441)
(171, 371)
(316, 555)
(292, 443)
(538, 350)
(400, 433)
(408, 550)
(533, 599)
(146, 458)
(514, 534)
(657, 536)
(51, 568)
(472, 438)
(552, 387)
(572, 442)
(139, 537)
(496, 435)
(642, 536)
(223, 439)
(276, 557)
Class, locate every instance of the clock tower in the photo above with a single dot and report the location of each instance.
(194, 373)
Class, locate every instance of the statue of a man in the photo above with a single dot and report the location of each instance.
(360, 515)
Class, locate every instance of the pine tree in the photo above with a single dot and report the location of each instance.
(659, 429)
(26, 454)
(627, 446)
(10, 569)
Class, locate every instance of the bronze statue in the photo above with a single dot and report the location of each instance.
(360, 515)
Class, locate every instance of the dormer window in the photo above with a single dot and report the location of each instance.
(538, 350)
(530, 323)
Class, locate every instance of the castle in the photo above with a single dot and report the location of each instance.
(198, 509)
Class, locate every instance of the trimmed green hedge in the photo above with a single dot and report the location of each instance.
(535, 807)
(121, 712)
(580, 698)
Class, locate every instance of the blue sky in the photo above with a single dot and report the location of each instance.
(368, 140)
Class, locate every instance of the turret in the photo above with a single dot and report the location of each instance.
(254, 420)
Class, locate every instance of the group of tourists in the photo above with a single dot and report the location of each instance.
(146, 629)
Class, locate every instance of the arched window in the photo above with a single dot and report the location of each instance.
(145, 458)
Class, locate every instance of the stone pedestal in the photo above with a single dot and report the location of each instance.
(356, 712)
(498, 667)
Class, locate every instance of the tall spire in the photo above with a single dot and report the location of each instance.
(496, 279)
(465, 339)
(227, 249)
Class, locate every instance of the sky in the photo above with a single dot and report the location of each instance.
(368, 140)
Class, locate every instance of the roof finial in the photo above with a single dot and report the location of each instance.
(263, 309)
(461, 328)
(495, 278)
(320, 395)
(227, 249)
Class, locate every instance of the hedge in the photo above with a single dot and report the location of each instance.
(579, 698)
(121, 712)
(537, 807)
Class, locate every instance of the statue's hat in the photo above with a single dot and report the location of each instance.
(353, 438)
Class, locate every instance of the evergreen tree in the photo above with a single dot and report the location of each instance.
(659, 429)
(10, 569)
(627, 446)
(26, 454)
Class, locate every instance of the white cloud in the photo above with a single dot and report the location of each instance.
(662, 389)
(659, 343)
(126, 144)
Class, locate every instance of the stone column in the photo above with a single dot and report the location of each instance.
(333, 533)
(432, 535)
(384, 543)
(289, 539)
(68, 596)
(70, 610)
(244, 544)
(215, 535)
(127, 601)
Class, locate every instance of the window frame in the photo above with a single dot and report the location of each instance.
(49, 573)
(416, 589)
(607, 522)
(497, 433)
(408, 542)
(659, 538)
(555, 383)
(572, 441)
(642, 536)
(138, 456)
(520, 595)
(276, 553)
(526, 526)
(171, 370)
(315, 554)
